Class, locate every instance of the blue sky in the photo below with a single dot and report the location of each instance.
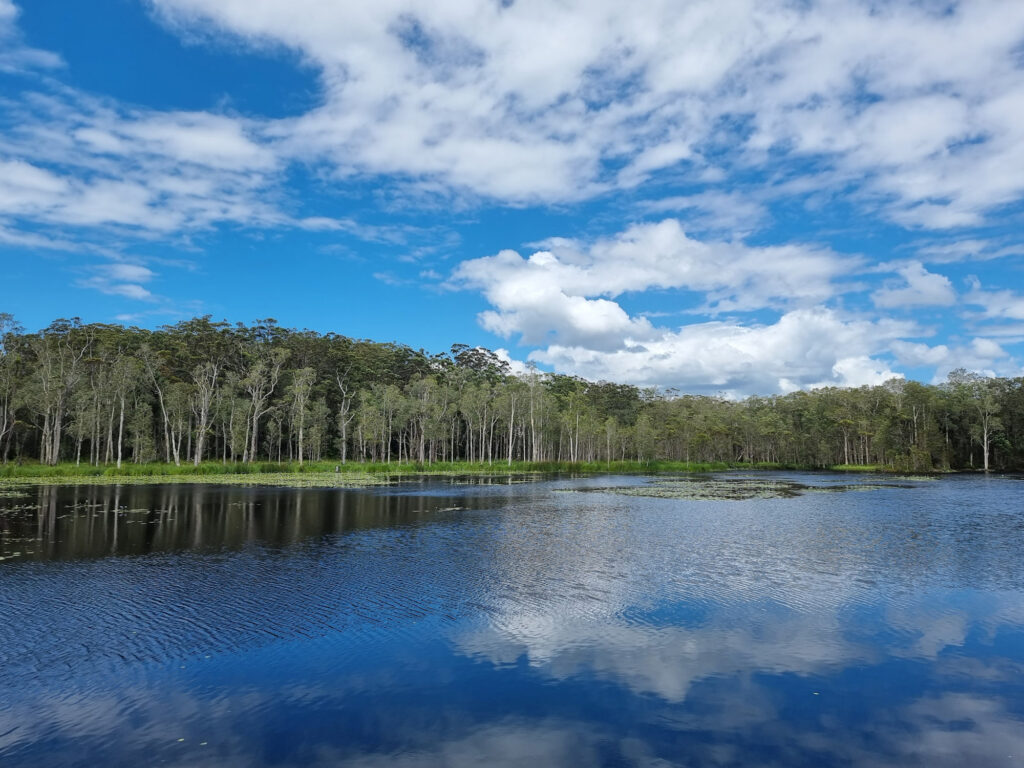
(718, 195)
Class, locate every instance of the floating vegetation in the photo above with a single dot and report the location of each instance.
(852, 487)
(730, 489)
(20, 508)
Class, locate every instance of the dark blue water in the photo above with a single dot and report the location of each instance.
(513, 624)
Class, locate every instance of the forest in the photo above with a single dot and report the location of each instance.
(201, 390)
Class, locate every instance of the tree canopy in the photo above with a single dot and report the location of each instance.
(202, 390)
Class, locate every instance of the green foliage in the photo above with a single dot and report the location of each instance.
(204, 398)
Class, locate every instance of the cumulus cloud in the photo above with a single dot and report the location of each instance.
(564, 294)
(804, 348)
(980, 354)
(919, 288)
(564, 300)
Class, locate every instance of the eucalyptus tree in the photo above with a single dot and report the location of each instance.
(156, 366)
(978, 397)
(511, 394)
(11, 373)
(140, 428)
(644, 436)
(204, 380)
(345, 413)
(475, 408)
(376, 419)
(84, 421)
(58, 351)
(575, 416)
(441, 418)
(235, 424)
(319, 429)
(420, 396)
(125, 377)
(260, 381)
(534, 393)
(299, 393)
(177, 412)
(200, 388)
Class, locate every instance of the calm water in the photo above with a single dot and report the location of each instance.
(512, 624)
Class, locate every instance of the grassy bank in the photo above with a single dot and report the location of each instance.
(325, 473)
(893, 470)
(353, 474)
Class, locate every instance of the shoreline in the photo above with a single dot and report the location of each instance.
(359, 475)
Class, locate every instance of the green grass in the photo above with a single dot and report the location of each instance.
(337, 474)
(888, 469)
(328, 473)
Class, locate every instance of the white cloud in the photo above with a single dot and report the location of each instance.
(910, 108)
(912, 111)
(526, 101)
(1004, 305)
(77, 162)
(121, 279)
(14, 55)
(981, 355)
(565, 300)
(919, 288)
(970, 249)
(734, 213)
(804, 348)
(25, 187)
(518, 367)
(128, 290)
(213, 141)
(564, 294)
(135, 273)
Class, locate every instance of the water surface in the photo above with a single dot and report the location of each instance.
(556, 622)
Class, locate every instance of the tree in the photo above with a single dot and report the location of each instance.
(59, 351)
(204, 378)
(260, 382)
(10, 378)
(978, 396)
(299, 393)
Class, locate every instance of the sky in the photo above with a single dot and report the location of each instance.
(718, 196)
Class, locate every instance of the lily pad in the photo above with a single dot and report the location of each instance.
(730, 489)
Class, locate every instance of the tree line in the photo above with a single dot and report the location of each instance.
(202, 390)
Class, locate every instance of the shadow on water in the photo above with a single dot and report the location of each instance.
(68, 522)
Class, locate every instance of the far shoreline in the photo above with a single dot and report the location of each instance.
(357, 474)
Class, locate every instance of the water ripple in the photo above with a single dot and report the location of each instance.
(242, 606)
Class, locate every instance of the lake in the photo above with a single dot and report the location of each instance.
(776, 619)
